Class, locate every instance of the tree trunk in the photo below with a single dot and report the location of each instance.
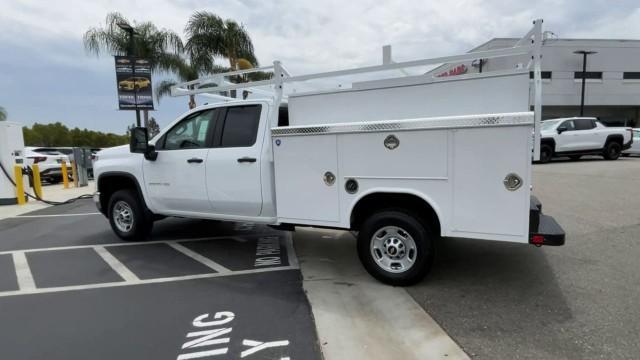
(192, 102)
(232, 65)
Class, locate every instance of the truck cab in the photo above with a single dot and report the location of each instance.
(212, 162)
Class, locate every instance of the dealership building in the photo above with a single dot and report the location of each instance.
(612, 89)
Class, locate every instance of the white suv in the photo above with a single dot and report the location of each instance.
(635, 147)
(49, 162)
(574, 137)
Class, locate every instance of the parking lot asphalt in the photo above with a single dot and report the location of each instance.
(70, 289)
(579, 301)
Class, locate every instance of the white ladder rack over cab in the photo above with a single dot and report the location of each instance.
(395, 98)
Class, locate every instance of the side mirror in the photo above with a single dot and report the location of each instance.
(139, 143)
(561, 129)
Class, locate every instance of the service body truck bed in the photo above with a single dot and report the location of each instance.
(401, 161)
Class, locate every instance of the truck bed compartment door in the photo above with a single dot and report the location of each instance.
(301, 163)
(485, 206)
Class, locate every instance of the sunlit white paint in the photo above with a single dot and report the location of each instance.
(23, 272)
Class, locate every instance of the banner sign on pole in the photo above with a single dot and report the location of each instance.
(133, 76)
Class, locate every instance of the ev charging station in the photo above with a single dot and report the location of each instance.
(11, 154)
(82, 162)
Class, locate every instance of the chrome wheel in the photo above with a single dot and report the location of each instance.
(393, 249)
(123, 216)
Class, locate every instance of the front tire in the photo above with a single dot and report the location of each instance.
(395, 247)
(546, 153)
(129, 218)
(612, 151)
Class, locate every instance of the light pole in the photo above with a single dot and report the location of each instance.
(584, 54)
(130, 52)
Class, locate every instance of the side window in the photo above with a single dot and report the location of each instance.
(569, 125)
(240, 126)
(190, 133)
(584, 124)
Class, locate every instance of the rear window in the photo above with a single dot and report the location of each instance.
(47, 151)
(240, 126)
(584, 124)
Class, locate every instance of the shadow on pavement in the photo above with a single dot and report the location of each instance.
(489, 297)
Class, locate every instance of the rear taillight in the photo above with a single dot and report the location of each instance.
(37, 159)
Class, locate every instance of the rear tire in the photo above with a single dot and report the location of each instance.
(129, 218)
(546, 153)
(612, 151)
(395, 247)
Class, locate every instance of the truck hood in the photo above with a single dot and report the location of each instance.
(114, 151)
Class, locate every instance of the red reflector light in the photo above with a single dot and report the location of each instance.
(537, 239)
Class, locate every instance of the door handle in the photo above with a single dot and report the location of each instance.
(247, 160)
(195, 160)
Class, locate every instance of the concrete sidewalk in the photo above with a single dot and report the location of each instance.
(49, 192)
(358, 317)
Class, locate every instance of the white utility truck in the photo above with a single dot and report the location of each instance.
(402, 161)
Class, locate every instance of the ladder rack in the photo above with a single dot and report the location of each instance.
(218, 85)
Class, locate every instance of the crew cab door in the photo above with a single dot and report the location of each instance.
(566, 141)
(176, 180)
(587, 135)
(234, 163)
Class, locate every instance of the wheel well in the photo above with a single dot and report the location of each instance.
(377, 201)
(549, 142)
(108, 184)
(616, 138)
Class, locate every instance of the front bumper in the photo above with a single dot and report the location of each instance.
(543, 229)
(96, 200)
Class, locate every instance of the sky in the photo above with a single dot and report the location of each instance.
(46, 75)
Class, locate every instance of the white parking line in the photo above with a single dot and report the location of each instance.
(73, 247)
(27, 284)
(53, 215)
(115, 264)
(141, 282)
(23, 272)
(199, 258)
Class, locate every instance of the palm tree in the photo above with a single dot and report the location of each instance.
(185, 70)
(151, 43)
(3, 114)
(208, 37)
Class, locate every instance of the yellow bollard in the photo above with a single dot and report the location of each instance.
(17, 171)
(65, 177)
(37, 184)
(74, 173)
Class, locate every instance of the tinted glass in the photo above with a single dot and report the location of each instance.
(588, 75)
(584, 124)
(190, 133)
(631, 76)
(568, 124)
(240, 126)
(543, 74)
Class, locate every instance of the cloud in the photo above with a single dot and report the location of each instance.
(307, 36)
